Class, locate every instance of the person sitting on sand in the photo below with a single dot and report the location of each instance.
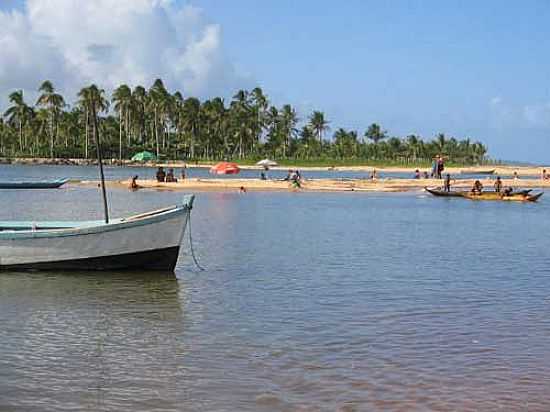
(477, 188)
(133, 185)
(498, 184)
(447, 183)
(508, 191)
(242, 189)
(161, 175)
(170, 178)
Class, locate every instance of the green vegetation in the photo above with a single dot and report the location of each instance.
(174, 127)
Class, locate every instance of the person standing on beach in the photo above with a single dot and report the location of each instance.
(447, 183)
(434, 166)
(498, 185)
(440, 166)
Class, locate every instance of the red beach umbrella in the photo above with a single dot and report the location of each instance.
(225, 168)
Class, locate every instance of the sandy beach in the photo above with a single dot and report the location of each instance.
(316, 185)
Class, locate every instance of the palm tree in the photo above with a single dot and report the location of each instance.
(139, 100)
(157, 101)
(191, 116)
(54, 103)
(122, 98)
(18, 114)
(92, 101)
(375, 133)
(319, 124)
(289, 120)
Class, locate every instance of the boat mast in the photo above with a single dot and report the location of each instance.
(100, 162)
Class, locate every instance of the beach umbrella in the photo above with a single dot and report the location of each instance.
(143, 157)
(225, 168)
(267, 162)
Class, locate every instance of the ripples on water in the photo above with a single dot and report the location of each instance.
(349, 301)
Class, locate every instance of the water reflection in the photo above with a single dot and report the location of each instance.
(90, 340)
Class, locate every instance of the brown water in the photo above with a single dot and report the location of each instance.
(349, 302)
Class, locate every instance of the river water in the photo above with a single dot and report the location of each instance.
(309, 301)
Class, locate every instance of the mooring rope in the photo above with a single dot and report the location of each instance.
(195, 260)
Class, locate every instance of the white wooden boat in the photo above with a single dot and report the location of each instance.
(149, 241)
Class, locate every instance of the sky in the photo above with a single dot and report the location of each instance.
(464, 68)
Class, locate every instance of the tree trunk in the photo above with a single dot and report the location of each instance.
(156, 134)
(20, 135)
(86, 139)
(120, 136)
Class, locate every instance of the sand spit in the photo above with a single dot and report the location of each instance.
(315, 185)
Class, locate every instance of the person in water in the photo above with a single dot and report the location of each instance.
(183, 173)
(447, 183)
(498, 185)
(262, 176)
(170, 176)
(133, 185)
(373, 174)
(426, 176)
(478, 187)
(161, 174)
(417, 174)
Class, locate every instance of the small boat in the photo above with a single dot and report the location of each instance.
(477, 172)
(149, 241)
(52, 184)
(521, 196)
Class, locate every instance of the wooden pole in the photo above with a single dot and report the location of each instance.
(100, 162)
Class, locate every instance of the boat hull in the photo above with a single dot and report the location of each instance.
(148, 242)
(33, 185)
(157, 260)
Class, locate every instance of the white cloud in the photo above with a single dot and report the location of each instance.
(109, 42)
(505, 115)
(538, 115)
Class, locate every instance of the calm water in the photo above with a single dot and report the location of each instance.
(309, 301)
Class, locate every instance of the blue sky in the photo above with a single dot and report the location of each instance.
(465, 68)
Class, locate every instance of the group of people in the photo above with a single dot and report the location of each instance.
(161, 175)
(418, 175)
(169, 177)
(295, 177)
(477, 187)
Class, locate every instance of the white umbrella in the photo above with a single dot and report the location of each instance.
(267, 162)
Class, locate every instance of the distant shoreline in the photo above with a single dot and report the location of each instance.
(506, 170)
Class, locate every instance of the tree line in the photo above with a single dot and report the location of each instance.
(176, 127)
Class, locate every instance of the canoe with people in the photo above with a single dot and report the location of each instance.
(506, 195)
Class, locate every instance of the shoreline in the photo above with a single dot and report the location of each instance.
(506, 170)
(311, 185)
